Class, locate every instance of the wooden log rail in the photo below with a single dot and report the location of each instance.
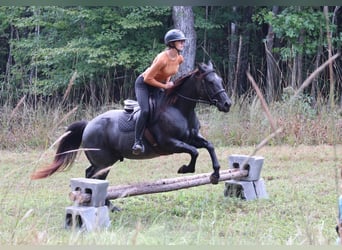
(163, 185)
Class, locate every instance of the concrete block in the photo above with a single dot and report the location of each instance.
(86, 218)
(260, 189)
(97, 189)
(253, 164)
(245, 190)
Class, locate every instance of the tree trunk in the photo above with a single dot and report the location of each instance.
(242, 82)
(272, 70)
(10, 57)
(233, 40)
(337, 20)
(314, 85)
(331, 71)
(183, 19)
(300, 58)
(237, 66)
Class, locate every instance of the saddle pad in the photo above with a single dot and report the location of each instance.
(127, 122)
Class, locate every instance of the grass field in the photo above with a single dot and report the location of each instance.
(302, 183)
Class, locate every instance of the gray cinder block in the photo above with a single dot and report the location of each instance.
(253, 164)
(96, 188)
(86, 218)
(250, 187)
(246, 190)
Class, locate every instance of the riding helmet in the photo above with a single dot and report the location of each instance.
(174, 35)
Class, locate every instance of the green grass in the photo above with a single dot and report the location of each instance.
(301, 181)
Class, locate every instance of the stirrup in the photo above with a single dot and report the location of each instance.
(138, 148)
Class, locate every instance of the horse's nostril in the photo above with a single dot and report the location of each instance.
(227, 106)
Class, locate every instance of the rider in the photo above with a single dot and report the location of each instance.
(158, 75)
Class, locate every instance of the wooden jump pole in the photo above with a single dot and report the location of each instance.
(159, 186)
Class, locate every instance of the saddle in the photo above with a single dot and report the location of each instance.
(132, 111)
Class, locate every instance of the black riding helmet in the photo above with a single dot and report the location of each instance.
(173, 35)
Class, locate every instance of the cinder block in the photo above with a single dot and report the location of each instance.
(253, 164)
(246, 190)
(86, 218)
(97, 189)
(260, 189)
(240, 189)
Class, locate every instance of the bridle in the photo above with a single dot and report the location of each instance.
(211, 98)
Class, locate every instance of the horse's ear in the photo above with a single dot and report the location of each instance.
(210, 65)
(205, 67)
(201, 66)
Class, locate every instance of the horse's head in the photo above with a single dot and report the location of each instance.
(212, 87)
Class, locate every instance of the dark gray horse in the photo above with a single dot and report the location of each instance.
(173, 128)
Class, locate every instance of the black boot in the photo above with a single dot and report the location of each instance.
(138, 147)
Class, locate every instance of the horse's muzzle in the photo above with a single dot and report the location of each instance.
(225, 107)
(224, 103)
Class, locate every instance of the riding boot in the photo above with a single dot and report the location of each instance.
(138, 147)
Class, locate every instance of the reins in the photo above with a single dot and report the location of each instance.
(193, 99)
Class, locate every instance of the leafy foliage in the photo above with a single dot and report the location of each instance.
(42, 47)
(290, 23)
(52, 42)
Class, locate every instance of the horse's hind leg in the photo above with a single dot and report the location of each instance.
(101, 173)
(101, 162)
(94, 173)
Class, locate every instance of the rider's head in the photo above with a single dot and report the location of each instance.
(173, 36)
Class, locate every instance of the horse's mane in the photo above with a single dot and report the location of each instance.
(182, 78)
(179, 81)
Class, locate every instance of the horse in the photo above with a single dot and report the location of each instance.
(173, 128)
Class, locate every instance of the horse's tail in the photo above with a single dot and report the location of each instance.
(66, 151)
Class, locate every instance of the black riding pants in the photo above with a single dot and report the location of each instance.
(142, 92)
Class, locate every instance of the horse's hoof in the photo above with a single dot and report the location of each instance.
(181, 169)
(115, 209)
(185, 169)
(214, 179)
(111, 207)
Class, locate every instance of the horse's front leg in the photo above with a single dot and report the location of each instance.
(182, 147)
(215, 176)
(201, 142)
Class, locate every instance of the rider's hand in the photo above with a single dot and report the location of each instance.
(168, 85)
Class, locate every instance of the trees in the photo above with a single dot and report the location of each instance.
(41, 48)
(300, 34)
(49, 44)
(183, 19)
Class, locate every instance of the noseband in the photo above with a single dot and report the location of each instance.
(212, 100)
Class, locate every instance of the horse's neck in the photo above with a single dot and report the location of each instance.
(177, 98)
(183, 97)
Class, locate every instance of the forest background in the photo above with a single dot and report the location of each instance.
(61, 57)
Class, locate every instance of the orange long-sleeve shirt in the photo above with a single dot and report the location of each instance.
(161, 70)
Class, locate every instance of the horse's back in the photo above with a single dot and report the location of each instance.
(113, 133)
(108, 129)
(101, 122)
